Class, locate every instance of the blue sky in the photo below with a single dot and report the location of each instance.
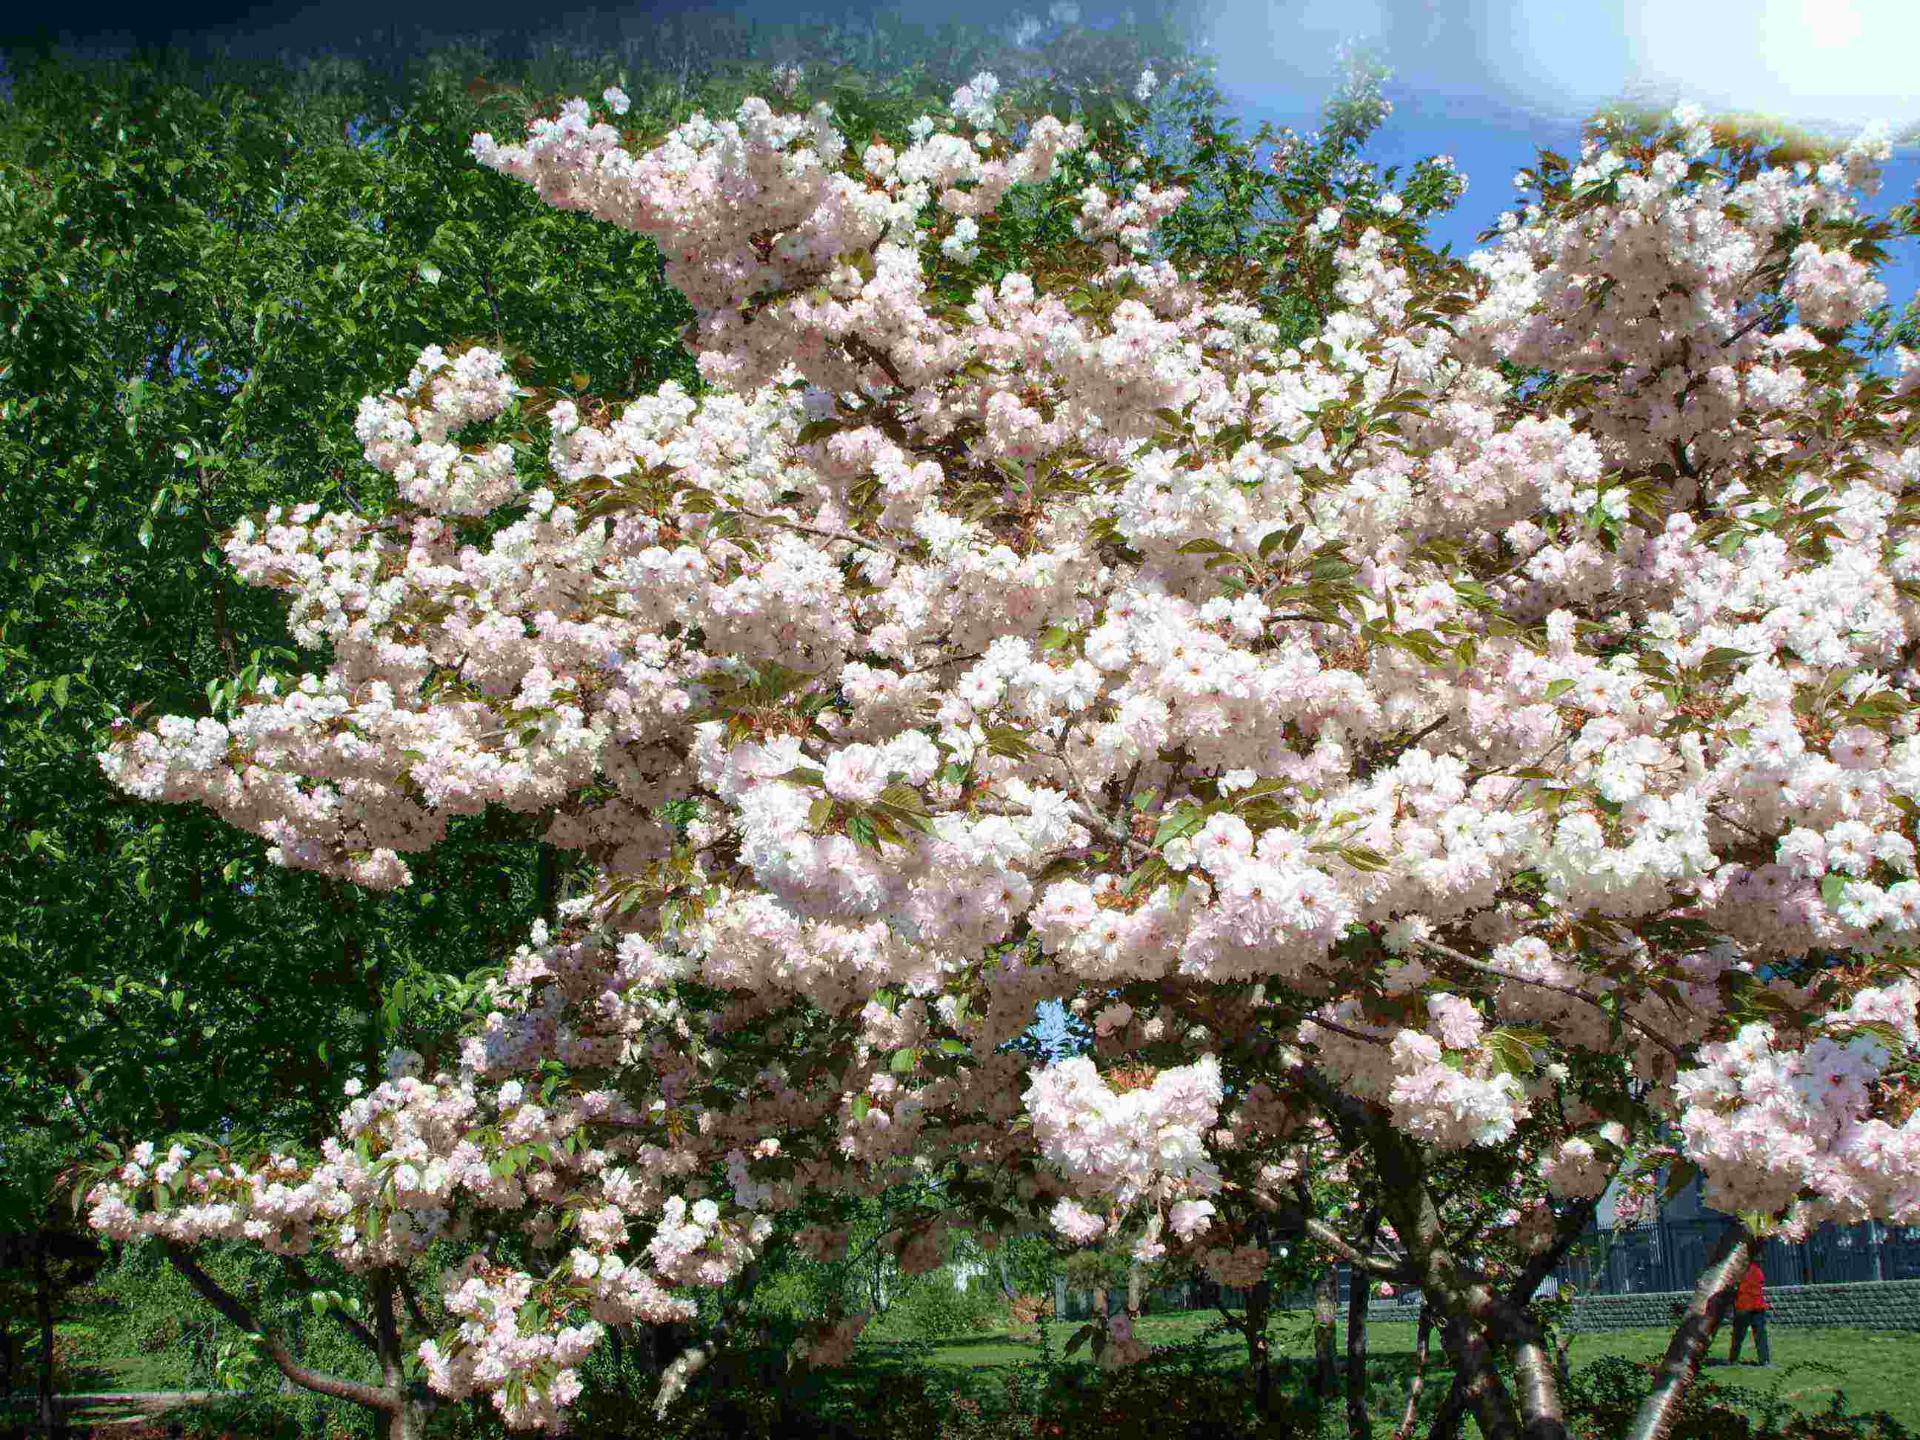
(1492, 81)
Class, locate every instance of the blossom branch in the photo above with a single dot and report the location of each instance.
(1568, 990)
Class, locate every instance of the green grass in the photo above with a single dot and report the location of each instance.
(1879, 1366)
(83, 1366)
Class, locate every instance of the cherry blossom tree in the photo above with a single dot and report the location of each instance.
(1381, 750)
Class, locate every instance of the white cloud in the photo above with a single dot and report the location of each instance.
(1842, 61)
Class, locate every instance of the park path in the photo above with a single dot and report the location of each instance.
(139, 1404)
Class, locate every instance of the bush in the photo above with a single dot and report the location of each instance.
(1025, 1313)
(932, 1309)
(1603, 1397)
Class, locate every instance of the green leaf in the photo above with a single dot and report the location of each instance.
(1560, 687)
(1679, 1176)
(904, 1061)
(1285, 540)
(429, 272)
(1832, 888)
(1185, 820)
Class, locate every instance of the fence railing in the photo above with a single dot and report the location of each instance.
(1662, 1255)
(1669, 1255)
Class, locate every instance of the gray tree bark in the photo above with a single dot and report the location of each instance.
(1712, 1298)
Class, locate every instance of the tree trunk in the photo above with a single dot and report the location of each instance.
(1480, 1385)
(44, 1419)
(1359, 1424)
(1405, 1432)
(1326, 1302)
(6, 1357)
(1136, 1283)
(1259, 1346)
(408, 1419)
(1712, 1298)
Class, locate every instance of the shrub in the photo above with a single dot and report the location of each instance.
(931, 1308)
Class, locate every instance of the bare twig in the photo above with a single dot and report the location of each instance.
(1115, 831)
(825, 534)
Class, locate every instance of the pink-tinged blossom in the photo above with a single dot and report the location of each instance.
(1652, 707)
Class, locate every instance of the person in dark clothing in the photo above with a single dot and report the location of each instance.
(1750, 1312)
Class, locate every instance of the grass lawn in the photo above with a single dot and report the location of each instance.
(1878, 1366)
(82, 1365)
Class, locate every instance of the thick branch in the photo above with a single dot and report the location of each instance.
(1359, 1256)
(695, 1358)
(376, 1398)
(1480, 1385)
(1567, 1230)
(386, 1327)
(1542, 1409)
(1712, 1297)
(1405, 1432)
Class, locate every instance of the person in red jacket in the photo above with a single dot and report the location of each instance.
(1750, 1312)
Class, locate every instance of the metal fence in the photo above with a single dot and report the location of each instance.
(1670, 1254)
(1662, 1255)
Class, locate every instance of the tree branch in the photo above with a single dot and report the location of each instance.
(1405, 1432)
(1568, 990)
(1712, 1297)
(1120, 834)
(1567, 1230)
(1356, 1255)
(825, 534)
(695, 1358)
(377, 1398)
(413, 1305)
